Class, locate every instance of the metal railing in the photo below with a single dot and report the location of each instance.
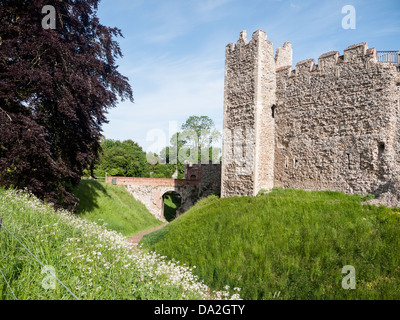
(389, 56)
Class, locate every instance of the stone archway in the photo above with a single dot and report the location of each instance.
(172, 202)
(151, 191)
(200, 181)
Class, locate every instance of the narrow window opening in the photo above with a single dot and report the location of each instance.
(348, 160)
(273, 111)
(295, 163)
(381, 149)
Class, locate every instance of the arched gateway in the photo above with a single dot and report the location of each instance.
(150, 191)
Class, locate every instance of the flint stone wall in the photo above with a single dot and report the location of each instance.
(327, 126)
(337, 124)
(250, 85)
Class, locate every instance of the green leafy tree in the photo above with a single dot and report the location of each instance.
(169, 157)
(200, 134)
(194, 143)
(126, 159)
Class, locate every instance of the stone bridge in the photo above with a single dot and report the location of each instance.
(200, 181)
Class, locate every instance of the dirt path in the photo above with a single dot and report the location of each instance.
(136, 238)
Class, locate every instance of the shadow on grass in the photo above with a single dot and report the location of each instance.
(88, 192)
(11, 275)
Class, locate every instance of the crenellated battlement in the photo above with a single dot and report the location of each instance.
(328, 61)
(357, 55)
(305, 66)
(284, 55)
(331, 123)
(242, 42)
(355, 52)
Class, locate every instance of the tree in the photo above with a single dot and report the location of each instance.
(195, 143)
(56, 87)
(202, 126)
(199, 133)
(168, 161)
(126, 159)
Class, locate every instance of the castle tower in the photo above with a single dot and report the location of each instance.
(249, 126)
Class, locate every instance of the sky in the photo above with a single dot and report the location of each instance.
(174, 51)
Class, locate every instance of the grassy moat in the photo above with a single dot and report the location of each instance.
(290, 242)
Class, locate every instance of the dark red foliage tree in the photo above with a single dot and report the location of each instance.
(56, 86)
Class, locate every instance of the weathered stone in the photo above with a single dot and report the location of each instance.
(331, 126)
(250, 87)
(284, 55)
(201, 180)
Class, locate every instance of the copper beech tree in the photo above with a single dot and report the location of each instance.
(56, 85)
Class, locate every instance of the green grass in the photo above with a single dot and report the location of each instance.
(288, 241)
(114, 206)
(93, 262)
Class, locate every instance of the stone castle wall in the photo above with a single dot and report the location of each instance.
(250, 85)
(210, 179)
(327, 126)
(337, 123)
(208, 176)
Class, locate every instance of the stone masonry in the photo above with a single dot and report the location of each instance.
(334, 125)
(201, 180)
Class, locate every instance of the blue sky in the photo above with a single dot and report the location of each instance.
(174, 50)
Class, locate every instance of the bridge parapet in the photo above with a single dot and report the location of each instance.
(205, 179)
(151, 181)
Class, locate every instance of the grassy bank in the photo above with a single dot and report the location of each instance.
(114, 207)
(288, 241)
(91, 261)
